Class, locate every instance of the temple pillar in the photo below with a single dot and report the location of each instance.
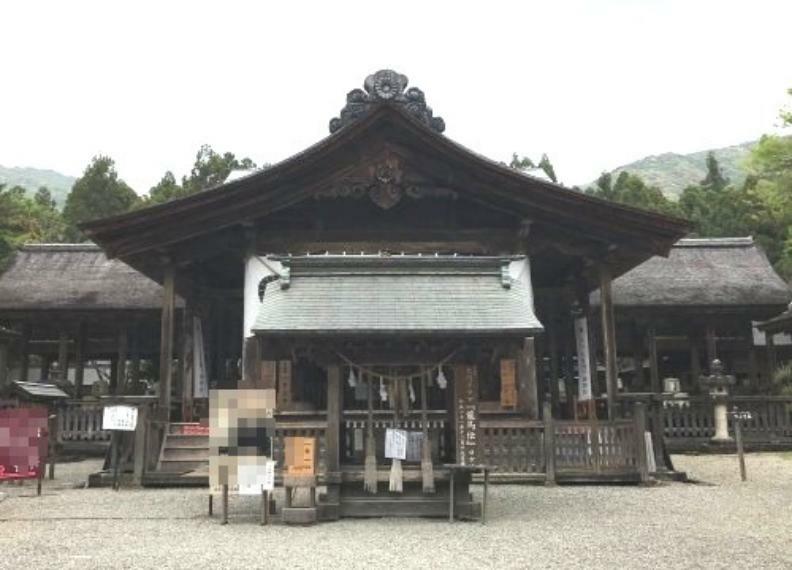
(63, 357)
(79, 361)
(166, 338)
(654, 366)
(638, 358)
(187, 364)
(609, 339)
(527, 389)
(552, 342)
(24, 354)
(120, 373)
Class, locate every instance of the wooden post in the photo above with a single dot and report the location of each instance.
(569, 378)
(166, 339)
(549, 445)
(225, 505)
(141, 429)
(695, 362)
(334, 403)
(187, 372)
(609, 340)
(654, 371)
(3, 364)
(772, 363)
(123, 343)
(552, 342)
(63, 357)
(740, 449)
(24, 354)
(638, 357)
(527, 393)
(44, 370)
(79, 361)
(640, 442)
(712, 350)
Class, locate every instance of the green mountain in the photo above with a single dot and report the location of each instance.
(33, 178)
(672, 172)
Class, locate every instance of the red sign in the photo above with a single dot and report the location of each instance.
(23, 442)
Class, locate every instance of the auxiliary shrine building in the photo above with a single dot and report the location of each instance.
(385, 276)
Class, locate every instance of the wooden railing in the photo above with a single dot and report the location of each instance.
(80, 421)
(597, 447)
(689, 421)
(513, 445)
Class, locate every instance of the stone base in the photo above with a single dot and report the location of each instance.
(299, 515)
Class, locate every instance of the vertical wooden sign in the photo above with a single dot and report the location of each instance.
(284, 385)
(508, 378)
(466, 414)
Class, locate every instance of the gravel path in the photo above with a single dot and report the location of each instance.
(717, 523)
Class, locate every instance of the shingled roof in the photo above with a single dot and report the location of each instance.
(74, 277)
(722, 272)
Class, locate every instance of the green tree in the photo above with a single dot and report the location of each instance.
(714, 179)
(631, 190)
(24, 219)
(524, 164)
(98, 193)
(210, 169)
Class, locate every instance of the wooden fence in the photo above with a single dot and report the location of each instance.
(81, 422)
(689, 424)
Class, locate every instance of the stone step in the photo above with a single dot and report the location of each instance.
(181, 466)
(186, 454)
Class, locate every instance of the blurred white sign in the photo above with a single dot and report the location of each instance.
(122, 418)
(395, 444)
(253, 479)
(583, 362)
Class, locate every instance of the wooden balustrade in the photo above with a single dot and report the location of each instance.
(513, 446)
(81, 421)
(596, 447)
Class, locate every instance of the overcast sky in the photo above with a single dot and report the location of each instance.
(594, 84)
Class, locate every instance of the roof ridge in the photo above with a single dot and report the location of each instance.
(87, 246)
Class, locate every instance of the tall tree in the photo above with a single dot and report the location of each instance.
(631, 190)
(98, 193)
(525, 164)
(24, 219)
(714, 179)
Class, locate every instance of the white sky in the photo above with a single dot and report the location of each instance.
(594, 84)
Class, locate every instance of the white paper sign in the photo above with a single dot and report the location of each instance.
(583, 362)
(395, 444)
(122, 418)
(253, 479)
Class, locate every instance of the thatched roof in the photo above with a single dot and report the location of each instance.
(715, 272)
(74, 277)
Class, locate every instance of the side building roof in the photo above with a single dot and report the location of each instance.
(712, 272)
(74, 277)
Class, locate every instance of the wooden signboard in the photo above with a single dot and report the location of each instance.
(508, 378)
(284, 384)
(466, 415)
(300, 455)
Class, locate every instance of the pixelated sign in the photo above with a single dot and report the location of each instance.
(241, 428)
(255, 475)
(23, 442)
(122, 418)
(300, 455)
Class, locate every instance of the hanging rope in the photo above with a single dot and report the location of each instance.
(391, 376)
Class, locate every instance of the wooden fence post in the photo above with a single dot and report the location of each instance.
(549, 444)
(640, 442)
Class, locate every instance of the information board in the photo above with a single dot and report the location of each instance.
(466, 414)
(120, 418)
(395, 444)
(583, 359)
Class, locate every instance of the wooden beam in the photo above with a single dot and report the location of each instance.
(3, 364)
(609, 340)
(123, 342)
(654, 372)
(79, 361)
(63, 357)
(166, 339)
(712, 349)
(527, 390)
(334, 405)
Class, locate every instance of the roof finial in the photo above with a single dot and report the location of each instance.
(386, 86)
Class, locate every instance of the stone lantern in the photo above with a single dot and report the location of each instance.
(718, 385)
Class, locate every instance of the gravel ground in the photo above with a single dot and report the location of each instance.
(718, 522)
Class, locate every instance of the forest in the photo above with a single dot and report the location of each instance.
(760, 205)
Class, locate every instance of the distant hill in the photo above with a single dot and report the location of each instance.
(33, 178)
(672, 172)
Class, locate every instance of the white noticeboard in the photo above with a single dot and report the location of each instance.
(583, 356)
(253, 479)
(121, 418)
(395, 444)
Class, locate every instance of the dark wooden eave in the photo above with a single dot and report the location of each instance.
(630, 235)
